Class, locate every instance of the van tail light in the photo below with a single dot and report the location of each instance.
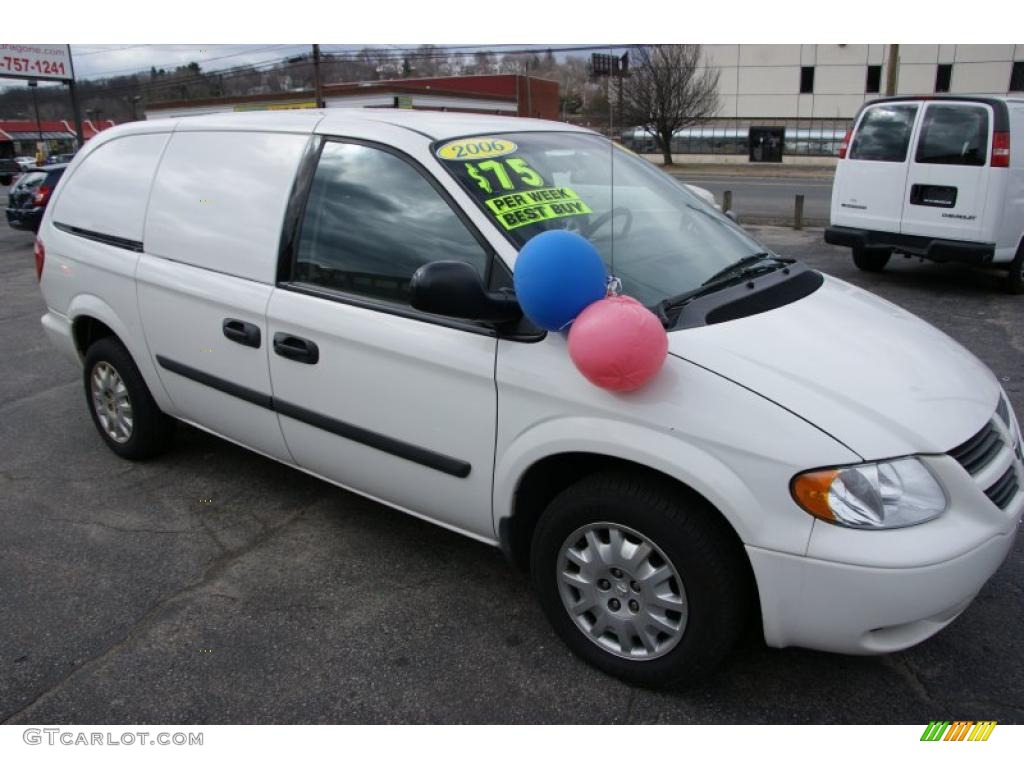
(41, 196)
(1001, 149)
(846, 143)
(40, 254)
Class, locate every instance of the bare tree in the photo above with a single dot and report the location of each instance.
(668, 88)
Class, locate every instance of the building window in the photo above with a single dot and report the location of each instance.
(1017, 76)
(943, 77)
(806, 79)
(874, 81)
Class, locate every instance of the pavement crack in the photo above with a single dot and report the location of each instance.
(907, 671)
(630, 704)
(216, 568)
(33, 395)
(121, 529)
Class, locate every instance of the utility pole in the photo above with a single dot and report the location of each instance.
(529, 94)
(317, 89)
(74, 102)
(892, 73)
(32, 85)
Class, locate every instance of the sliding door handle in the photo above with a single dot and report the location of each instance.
(296, 348)
(242, 332)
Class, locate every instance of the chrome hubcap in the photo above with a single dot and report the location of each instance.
(111, 402)
(622, 591)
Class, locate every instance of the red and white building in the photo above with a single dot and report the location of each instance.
(19, 137)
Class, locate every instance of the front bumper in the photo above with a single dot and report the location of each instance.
(864, 591)
(854, 609)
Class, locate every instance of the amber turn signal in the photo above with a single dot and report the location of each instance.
(811, 492)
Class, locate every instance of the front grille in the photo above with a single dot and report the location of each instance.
(994, 442)
(975, 454)
(1004, 489)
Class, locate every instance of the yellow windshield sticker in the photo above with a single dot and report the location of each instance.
(477, 148)
(521, 208)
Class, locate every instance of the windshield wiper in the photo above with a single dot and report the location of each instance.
(740, 267)
(756, 264)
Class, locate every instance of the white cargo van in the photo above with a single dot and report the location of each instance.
(939, 177)
(332, 289)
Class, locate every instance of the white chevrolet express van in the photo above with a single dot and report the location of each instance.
(809, 457)
(939, 177)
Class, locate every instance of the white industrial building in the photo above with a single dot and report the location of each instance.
(793, 103)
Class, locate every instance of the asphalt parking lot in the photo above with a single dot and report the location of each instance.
(125, 598)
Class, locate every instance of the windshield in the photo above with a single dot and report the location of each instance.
(665, 239)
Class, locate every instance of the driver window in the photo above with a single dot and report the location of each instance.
(371, 221)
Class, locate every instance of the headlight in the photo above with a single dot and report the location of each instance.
(885, 494)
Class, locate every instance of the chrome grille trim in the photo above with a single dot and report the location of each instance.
(977, 452)
(992, 458)
(1003, 410)
(1004, 489)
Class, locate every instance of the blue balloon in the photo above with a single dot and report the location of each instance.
(557, 275)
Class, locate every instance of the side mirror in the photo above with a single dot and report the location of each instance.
(454, 289)
(732, 215)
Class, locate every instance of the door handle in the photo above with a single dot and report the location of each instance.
(296, 348)
(242, 332)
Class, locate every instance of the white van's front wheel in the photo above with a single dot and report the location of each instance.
(641, 578)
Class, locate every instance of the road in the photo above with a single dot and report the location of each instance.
(125, 598)
(769, 199)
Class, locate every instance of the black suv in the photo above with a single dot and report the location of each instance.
(27, 199)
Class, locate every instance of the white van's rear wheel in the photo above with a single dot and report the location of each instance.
(871, 259)
(1015, 280)
(640, 578)
(124, 412)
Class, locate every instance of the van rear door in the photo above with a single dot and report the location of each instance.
(946, 187)
(869, 186)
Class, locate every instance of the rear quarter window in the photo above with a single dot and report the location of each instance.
(219, 200)
(107, 192)
(884, 133)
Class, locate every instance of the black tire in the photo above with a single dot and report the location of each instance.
(695, 540)
(151, 429)
(871, 259)
(1015, 278)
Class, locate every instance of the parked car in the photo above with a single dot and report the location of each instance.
(938, 177)
(9, 170)
(334, 289)
(25, 162)
(29, 196)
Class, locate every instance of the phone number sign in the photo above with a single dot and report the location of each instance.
(35, 62)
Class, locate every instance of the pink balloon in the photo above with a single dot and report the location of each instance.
(618, 344)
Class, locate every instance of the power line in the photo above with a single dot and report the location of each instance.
(355, 56)
(134, 69)
(81, 53)
(364, 55)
